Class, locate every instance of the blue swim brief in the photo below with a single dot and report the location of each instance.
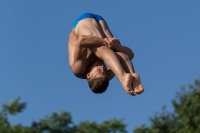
(87, 15)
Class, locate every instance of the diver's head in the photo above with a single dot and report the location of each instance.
(97, 77)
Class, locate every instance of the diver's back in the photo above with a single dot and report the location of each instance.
(88, 26)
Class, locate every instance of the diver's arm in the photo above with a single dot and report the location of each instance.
(88, 41)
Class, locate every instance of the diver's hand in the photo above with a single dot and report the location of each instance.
(113, 43)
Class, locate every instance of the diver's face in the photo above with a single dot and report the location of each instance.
(98, 69)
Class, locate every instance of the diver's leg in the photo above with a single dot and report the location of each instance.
(129, 68)
(113, 62)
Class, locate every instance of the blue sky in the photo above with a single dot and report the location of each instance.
(164, 35)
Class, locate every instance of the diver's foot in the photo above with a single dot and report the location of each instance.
(127, 83)
(137, 86)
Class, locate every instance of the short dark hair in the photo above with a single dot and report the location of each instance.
(98, 85)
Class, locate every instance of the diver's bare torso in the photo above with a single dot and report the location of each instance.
(86, 26)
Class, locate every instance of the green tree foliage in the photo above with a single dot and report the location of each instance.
(184, 119)
(12, 108)
(55, 123)
(111, 126)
